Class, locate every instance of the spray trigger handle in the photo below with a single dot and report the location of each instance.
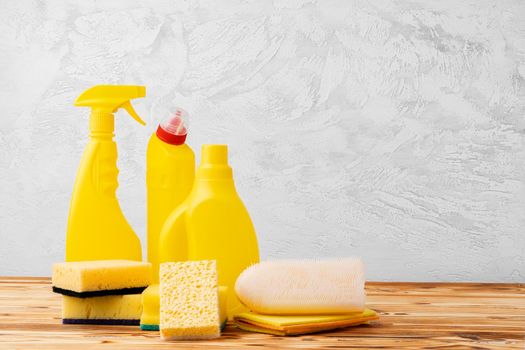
(129, 108)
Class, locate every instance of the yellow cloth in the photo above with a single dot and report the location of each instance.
(300, 324)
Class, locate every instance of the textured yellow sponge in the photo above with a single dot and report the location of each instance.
(189, 300)
(101, 277)
(149, 320)
(303, 287)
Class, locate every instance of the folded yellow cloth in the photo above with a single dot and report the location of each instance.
(300, 324)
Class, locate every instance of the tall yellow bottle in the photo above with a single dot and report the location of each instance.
(212, 223)
(97, 228)
(170, 170)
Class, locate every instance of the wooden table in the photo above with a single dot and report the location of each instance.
(413, 316)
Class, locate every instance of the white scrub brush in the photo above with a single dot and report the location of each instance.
(300, 287)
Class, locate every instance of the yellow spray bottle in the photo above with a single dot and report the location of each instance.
(212, 223)
(97, 228)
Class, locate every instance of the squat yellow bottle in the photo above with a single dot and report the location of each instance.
(170, 170)
(97, 228)
(212, 223)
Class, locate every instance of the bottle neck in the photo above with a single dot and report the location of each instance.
(101, 124)
(214, 172)
(101, 136)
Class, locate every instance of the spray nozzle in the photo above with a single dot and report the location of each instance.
(106, 100)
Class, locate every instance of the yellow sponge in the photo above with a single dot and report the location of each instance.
(149, 320)
(303, 287)
(223, 306)
(189, 300)
(112, 309)
(101, 277)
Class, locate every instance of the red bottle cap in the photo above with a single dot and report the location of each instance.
(173, 130)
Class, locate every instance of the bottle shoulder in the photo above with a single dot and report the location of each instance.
(211, 218)
(160, 149)
(223, 203)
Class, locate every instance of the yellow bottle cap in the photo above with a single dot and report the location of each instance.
(214, 163)
(215, 154)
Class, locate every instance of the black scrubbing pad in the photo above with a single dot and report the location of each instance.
(102, 321)
(99, 293)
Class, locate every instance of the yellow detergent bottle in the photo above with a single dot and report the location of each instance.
(97, 228)
(212, 223)
(170, 170)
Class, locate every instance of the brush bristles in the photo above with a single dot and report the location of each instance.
(284, 287)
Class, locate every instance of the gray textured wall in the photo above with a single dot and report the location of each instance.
(389, 130)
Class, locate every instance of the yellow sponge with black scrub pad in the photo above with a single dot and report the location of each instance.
(149, 320)
(83, 279)
(189, 300)
(108, 310)
(300, 324)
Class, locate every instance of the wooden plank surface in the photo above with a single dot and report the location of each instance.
(413, 316)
